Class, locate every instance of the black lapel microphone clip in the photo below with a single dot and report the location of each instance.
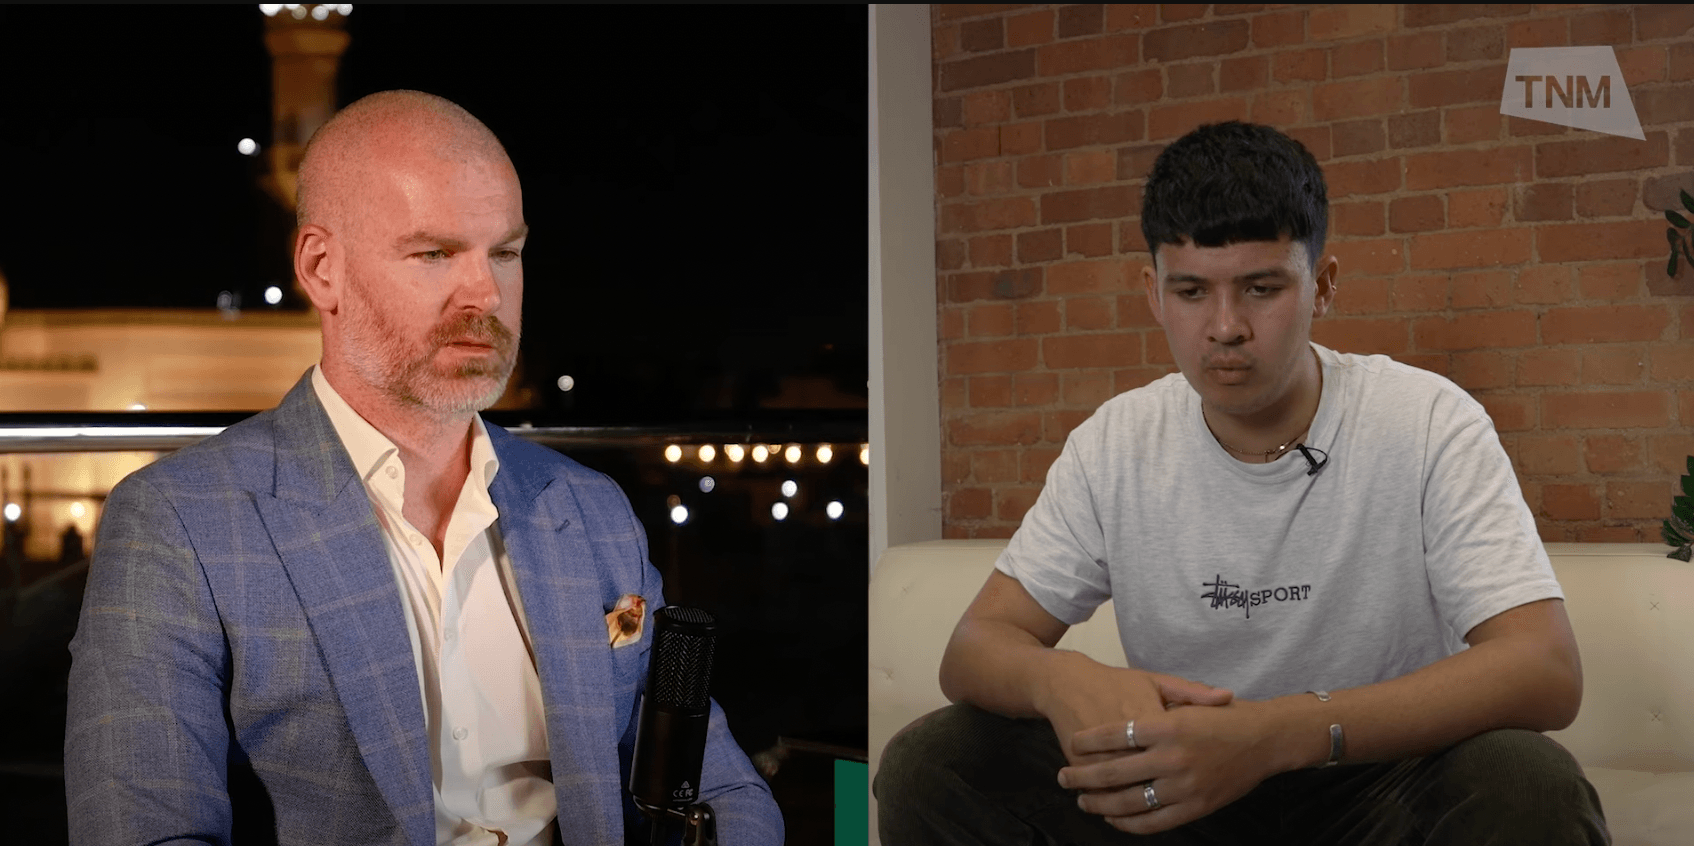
(1306, 452)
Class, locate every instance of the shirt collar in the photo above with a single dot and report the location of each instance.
(370, 449)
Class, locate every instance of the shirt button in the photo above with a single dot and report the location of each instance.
(447, 635)
(414, 539)
(393, 471)
(461, 733)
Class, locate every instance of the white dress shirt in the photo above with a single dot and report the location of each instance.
(481, 695)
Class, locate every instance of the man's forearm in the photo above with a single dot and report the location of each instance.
(998, 667)
(1504, 683)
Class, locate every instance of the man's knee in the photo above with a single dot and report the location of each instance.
(1524, 782)
(1515, 763)
(930, 753)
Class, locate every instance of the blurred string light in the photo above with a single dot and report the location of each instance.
(834, 509)
(319, 11)
(679, 514)
(790, 488)
(13, 512)
(273, 295)
(138, 406)
(707, 483)
(865, 454)
(737, 453)
(78, 510)
(566, 383)
(779, 510)
(247, 147)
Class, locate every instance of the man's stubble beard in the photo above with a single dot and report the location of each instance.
(381, 356)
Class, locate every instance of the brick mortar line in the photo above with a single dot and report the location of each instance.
(1211, 15)
(1509, 142)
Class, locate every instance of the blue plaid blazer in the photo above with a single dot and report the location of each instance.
(242, 674)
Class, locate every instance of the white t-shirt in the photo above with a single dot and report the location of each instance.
(1269, 581)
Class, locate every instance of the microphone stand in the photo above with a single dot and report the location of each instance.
(699, 825)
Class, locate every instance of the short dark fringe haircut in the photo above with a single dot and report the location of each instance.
(1225, 183)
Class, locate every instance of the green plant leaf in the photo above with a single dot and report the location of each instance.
(1691, 465)
(1670, 266)
(1687, 201)
(1688, 485)
(1683, 511)
(1681, 527)
(1670, 535)
(1680, 221)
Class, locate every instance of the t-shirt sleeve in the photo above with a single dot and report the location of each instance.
(1481, 546)
(1059, 553)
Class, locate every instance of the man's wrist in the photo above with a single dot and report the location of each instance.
(1047, 676)
(1300, 726)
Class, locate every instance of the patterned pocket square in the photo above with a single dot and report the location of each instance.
(624, 622)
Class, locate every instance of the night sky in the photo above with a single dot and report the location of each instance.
(693, 178)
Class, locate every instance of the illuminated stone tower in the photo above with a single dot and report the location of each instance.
(305, 42)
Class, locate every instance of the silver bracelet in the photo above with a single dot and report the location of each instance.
(1336, 742)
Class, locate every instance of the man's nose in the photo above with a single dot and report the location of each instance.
(1228, 324)
(478, 289)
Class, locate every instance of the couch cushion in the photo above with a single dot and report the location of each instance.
(1645, 809)
(1633, 613)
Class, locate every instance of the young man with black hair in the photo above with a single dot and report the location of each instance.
(1315, 558)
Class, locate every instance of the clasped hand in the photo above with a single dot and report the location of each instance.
(1198, 759)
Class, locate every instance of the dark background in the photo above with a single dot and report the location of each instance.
(693, 178)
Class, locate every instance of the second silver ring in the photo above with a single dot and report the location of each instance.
(1151, 797)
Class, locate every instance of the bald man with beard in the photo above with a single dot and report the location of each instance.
(364, 616)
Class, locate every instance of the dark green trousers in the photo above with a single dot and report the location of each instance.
(964, 776)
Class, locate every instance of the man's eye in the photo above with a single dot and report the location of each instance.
(508, 255)
(1263, 290)
(1188, 293)
(433, 255)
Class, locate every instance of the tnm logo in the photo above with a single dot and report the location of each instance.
(1599, 96)
(1580, 87)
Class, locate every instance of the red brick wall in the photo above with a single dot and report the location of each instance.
(1523, 260)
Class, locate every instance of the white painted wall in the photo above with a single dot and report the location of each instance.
(905, 404)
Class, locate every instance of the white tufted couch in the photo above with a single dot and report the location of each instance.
(1632, 609)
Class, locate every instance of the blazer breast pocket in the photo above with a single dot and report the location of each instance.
(629, 668)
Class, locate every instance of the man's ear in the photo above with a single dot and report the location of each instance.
(315, 264)
(1150, 279)
(1325, 278)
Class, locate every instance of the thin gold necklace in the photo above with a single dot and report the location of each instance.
(1270, 455)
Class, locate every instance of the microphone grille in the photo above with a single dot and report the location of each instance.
(691, 616)
(683, 645)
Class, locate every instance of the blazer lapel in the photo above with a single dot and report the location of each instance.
(321, 521)
(554, 566)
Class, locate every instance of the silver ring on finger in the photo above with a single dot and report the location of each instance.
(1152, 798)
(1129, 734)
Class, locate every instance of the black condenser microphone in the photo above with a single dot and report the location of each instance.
(670, 734)
(1317, 465)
